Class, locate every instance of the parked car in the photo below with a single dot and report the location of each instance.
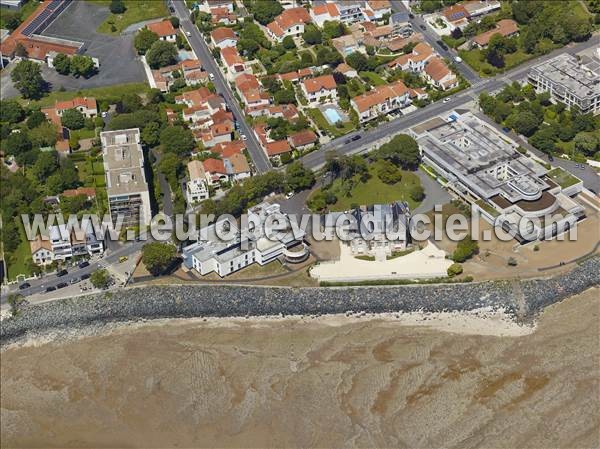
(74, 280)
(411, 16)
(353, 138)
(172, 10)
(441, 44)
(24, 285)
(85, 276)
(187, 33)
(123, 259)
(581, 166)
(422, 27)
(289, 195)
(244, 136)
(211, 76)
(61, 285)
(50, 288)
(550, 157)
(506, 130)
(83, 264)
(458, 59)
(446, 100)
(62, 273)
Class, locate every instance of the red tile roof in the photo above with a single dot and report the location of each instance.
(223, 33)
(277, 147)
(287, 19)
(212, 165)
(226, 149)
(327, 8)
(379, 95)
(504, 27)
(86, 102)
(231, 56)
(87, 191)
(320, 82)
(437, 69)
(302, 138)
(163, 29)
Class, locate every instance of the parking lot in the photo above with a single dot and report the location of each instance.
(79, 22)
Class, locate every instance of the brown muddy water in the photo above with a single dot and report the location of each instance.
(331, 382)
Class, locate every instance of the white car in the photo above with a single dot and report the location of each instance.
(289, 195)
(446, 100)
(187, 33)
(211, 76)
(244, 137)
(104, 114)
(458, 59)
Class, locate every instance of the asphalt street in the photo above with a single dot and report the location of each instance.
(202, 51)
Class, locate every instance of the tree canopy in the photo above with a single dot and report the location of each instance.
(158, 256)
(100, 278)
(143, 40)
(402, 151)
(72, 119)
(266, 10)
(11, 111)
(177, 139)
(161, 54)
(299, 177)
(62, 64)
(27, 77)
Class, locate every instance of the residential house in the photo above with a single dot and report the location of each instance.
(251, 92)
(378, 8)
(400, 22)
(350, 11)
(216, 133)
(296, 76)
(277, 148)
(477, 8)
(347, 44)
(189, 69)
(319, 89)
(227, 149)
(222, 15)
(86, 105)
(89, 192)
(164, 29)
(233, 61)
(66, 243)
(439, 75)
(303, 140)
(289, 23)
(41, 251)
(237, 167)
(382, 33)
(223, 37)
(209, 5)
(455, 16)
(504, 27)
(215, 171)
(324, 12)
(196, 188)
(381, 100)
(346, 70)
(414, 61)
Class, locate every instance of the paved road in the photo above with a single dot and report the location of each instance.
(421, 26)
(370, 138)
(39, 285)
(199, 46)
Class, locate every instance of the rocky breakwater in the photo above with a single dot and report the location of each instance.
(237, 301)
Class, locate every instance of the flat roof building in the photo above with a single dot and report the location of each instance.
(484, 168)
(570, 80)
(126, 184)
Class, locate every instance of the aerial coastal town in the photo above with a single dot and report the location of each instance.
(300, 159)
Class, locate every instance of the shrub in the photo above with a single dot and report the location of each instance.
(455, 269)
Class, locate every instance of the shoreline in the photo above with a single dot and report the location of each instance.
(520, 301)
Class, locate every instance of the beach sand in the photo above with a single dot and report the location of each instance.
(429, 381)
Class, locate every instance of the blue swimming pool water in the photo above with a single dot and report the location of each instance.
(333, 116)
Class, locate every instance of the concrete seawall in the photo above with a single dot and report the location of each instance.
(522, 299)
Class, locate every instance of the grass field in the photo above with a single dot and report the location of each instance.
(317, 116)
(374, 191)
(137, 11)
(18, 261)
(116, 90)
(373, 78)
(562, 177)
(474, 58)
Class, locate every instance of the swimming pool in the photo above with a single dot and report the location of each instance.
(333, 115)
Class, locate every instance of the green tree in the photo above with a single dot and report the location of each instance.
(158, 256)
(465, 249)
(288, 43)
(44, 135)
(151, 134)
(388, 172)
(544, 139)
(46, 164)
(117, 6)
(174, 21)
(312, 35)
(357, 61)
(178, 140)
(161, 54)
(82, 65)
(72, 119)
(35, 119)
(417, 192)
(455, 269)
(144, 39)
(285, 96)
(62, 64)
(248, 47)
(587, 143)
(332, 29)
(28, 79)
(299, 177)
(171, 166)
(266, 10)
(524, 123)
(100, 278)
(14, 301)
(130, 102)
(11, 111)
(402, 151)
(17, 143)
(329, 56)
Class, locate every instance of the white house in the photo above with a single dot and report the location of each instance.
(164, 30)
(289, 23)
(223, 37)
(319, 89)
(196, 188)
(381, 100)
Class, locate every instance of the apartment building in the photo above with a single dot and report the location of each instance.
(126, 185)
(211, 254)
(381, 100)
(64, 244)
(570, 80)
(484, 168)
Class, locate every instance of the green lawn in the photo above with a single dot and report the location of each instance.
(24, 13)
(374, 191)
(562, 177)
(355, 87)
(114, 91)
(373, 78)
(17, 262)
(476, 60)
(137, 11)
(317, 116)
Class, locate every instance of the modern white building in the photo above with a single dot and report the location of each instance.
(66, 244)
(570, 80)
(247, 246)
(196, 188)
(126, 184)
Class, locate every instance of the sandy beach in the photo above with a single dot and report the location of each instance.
(396, 380)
